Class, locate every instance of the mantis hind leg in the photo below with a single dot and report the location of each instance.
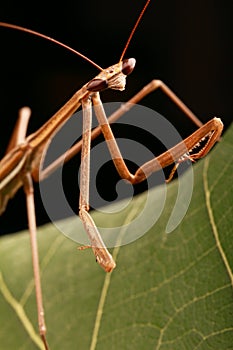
(29, 193)
(19, 132)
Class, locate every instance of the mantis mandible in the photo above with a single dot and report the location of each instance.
(21, 164)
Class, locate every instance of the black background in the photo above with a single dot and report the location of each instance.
(187, 44)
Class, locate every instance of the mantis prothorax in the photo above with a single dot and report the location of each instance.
(21, 164)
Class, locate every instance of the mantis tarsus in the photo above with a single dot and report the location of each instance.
(21, 164)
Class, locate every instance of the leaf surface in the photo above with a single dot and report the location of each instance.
(169, 291)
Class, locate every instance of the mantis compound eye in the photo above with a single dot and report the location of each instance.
(96, 85)
(128, 66)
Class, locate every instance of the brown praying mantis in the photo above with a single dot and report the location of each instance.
(21, 164)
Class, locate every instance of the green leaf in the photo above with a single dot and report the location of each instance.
(169, 291)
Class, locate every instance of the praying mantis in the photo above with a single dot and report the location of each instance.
(21, 164)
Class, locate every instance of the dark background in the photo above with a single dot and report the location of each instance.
(187, 44)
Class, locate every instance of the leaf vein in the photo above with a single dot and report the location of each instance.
(107, 281)
(212, 220)
(183, 307)
(47, 258)
(18, 309)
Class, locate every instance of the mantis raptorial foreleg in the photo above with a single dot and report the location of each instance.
(211, 130)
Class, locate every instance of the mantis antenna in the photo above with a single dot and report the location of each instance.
(133, 30)
(33, 32)
(22, 29)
